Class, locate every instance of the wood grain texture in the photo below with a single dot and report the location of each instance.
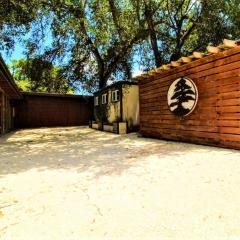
(52, 111)
(216, 118)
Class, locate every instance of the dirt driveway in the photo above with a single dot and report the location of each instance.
(77, 183)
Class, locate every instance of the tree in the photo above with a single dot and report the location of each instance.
(179, 27)
(96, 42)
(182, 94)
(16, 18)
(150, 10)
(96, 36)
(39, 75)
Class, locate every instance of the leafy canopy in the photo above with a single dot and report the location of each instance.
(39, 75)
(95, 42)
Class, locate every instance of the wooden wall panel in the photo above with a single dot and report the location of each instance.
(6, 117)
(52, 111)
(216, 118)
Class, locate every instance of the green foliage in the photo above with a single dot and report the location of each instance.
(101, 112)
(16, 17)
(178, 27)
(98, 41)
(39, 75)
(24, 85)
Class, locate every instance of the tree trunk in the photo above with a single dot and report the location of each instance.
(102, 81)
(157, 55)
(153, 36)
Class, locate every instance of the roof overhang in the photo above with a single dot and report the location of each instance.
(7, 83)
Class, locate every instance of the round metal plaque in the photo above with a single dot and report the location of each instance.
(182, 96)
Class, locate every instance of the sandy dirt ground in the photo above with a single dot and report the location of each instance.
(77, 183)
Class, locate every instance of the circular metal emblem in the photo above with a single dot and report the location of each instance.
(182, 96)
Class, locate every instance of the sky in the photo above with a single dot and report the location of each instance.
(19, 48)
(15, 55)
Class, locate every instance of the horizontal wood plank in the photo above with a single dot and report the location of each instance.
(216, 118)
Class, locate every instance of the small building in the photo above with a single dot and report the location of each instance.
(8, 94)
(195, 99)
(116, 107)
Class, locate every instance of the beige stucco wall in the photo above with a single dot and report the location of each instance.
(114, 112)
(131, 105)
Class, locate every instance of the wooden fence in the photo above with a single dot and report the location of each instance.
(216, 118)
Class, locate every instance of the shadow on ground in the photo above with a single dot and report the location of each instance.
(83, 149)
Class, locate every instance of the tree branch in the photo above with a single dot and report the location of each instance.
(115, 15)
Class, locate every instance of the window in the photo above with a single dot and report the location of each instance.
(96, 101)
(115, 96)
(104, 98)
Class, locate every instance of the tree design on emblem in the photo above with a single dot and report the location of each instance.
(182, 94)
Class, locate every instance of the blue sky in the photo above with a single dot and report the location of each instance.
(19, 48)
(16, 54)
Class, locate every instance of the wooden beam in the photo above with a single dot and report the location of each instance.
(186, 59)
(145, 75)
(176, 63)
(212, 49)
(195, 55)
(198, 55)
(166, 67)
(159, 70)
(139, 78)
(152, 73)
(229, 43)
